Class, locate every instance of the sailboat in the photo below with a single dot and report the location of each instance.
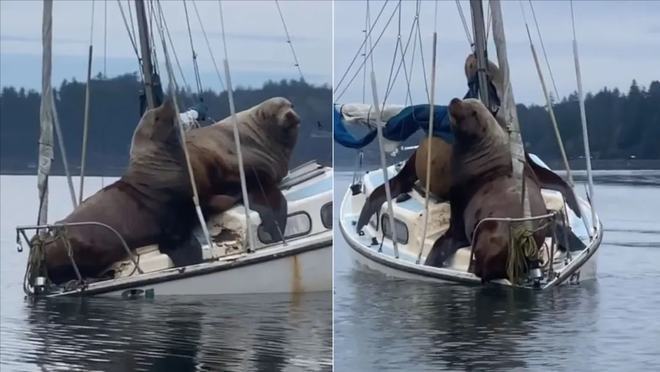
(398, 238)
(245, 260)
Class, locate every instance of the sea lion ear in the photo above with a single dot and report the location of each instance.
(167, 107)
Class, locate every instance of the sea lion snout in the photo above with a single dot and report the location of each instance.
(456, 108)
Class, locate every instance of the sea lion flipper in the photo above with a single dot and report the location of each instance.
(550, 180)
(402, 182)
(272, 207)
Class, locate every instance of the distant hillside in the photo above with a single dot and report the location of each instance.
(114, 114)
(624, 130)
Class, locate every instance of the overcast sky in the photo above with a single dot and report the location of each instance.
(255, 36)
(619, 41)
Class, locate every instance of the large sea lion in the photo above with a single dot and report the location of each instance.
(142, 205)
(483, 186)
(152, 202)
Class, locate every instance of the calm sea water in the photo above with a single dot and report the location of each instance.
(223, 333)
(612, 324)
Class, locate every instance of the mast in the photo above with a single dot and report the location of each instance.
(45, 114)
(508, 106)
(480, 49)
(145, 48)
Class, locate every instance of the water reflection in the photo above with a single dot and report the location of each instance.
(256, 332)
(397, 322)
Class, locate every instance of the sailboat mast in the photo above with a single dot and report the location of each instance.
(480, 49)
(147, 67)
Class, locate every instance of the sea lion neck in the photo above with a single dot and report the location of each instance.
(475, 156)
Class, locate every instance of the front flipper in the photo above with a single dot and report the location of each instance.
(550, 180)
(402, 182)
(271, 205)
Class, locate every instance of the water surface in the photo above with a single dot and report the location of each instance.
(608, 324)
(216, 333)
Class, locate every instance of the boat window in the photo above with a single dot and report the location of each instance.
(326, 215)
(401, 229)
(297, 224)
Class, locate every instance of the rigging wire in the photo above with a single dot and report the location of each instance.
(548, 101)
(182, 134)
(466, 28)
(364, 69)
(83, 156)
(198, 80)
(237, 138)
(288, 40)
(369, 55)
(130, 17)
(131, 37)
(390, 83)
(545, 55)
(105, 39)
(176, 56)
(357, 53)
(208, 45)
(421, 54)
(402, 63)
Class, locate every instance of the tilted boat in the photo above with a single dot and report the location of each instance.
(299, 264)
(238, 254)
(398, 246)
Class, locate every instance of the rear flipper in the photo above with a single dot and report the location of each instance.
(550, 180)
(442, 249)
(271, 205)
(401, 183)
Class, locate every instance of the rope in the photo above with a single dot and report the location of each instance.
(545, 55)
(198, 80)
(288, 40)
(522, 248)
(232, 109)
(208, 45)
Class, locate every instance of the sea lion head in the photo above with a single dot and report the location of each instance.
(156, 128)
(471, 120)
(276, 117)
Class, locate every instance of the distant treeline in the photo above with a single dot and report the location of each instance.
(621, 127)
(115, 111)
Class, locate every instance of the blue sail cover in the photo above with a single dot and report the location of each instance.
(399, 127)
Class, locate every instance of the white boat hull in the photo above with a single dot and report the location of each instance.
(302, 266)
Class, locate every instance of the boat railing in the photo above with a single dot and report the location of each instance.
(60, 231)
(524, 255)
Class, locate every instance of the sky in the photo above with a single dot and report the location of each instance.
(618, 42)
(256, 41)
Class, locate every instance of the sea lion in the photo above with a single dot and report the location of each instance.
(152, 202)
(268, 132)
(483, 186)
(142, 205)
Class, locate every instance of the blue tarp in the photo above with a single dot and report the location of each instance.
(399, 127)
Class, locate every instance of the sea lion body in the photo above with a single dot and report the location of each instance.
(141, 206)
(483, 186)
(152, 202)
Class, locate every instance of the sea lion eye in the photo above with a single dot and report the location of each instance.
(157, 117)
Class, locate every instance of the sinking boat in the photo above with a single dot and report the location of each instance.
(238, 253)
(300, 263)
(373, 247)
(399, 236)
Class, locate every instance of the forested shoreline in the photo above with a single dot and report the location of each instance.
(115, 111)
(623, 127)
(624, 130)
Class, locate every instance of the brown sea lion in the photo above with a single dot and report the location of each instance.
(268, 133)
(142, 205)
(483, 186)
(152, 201)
